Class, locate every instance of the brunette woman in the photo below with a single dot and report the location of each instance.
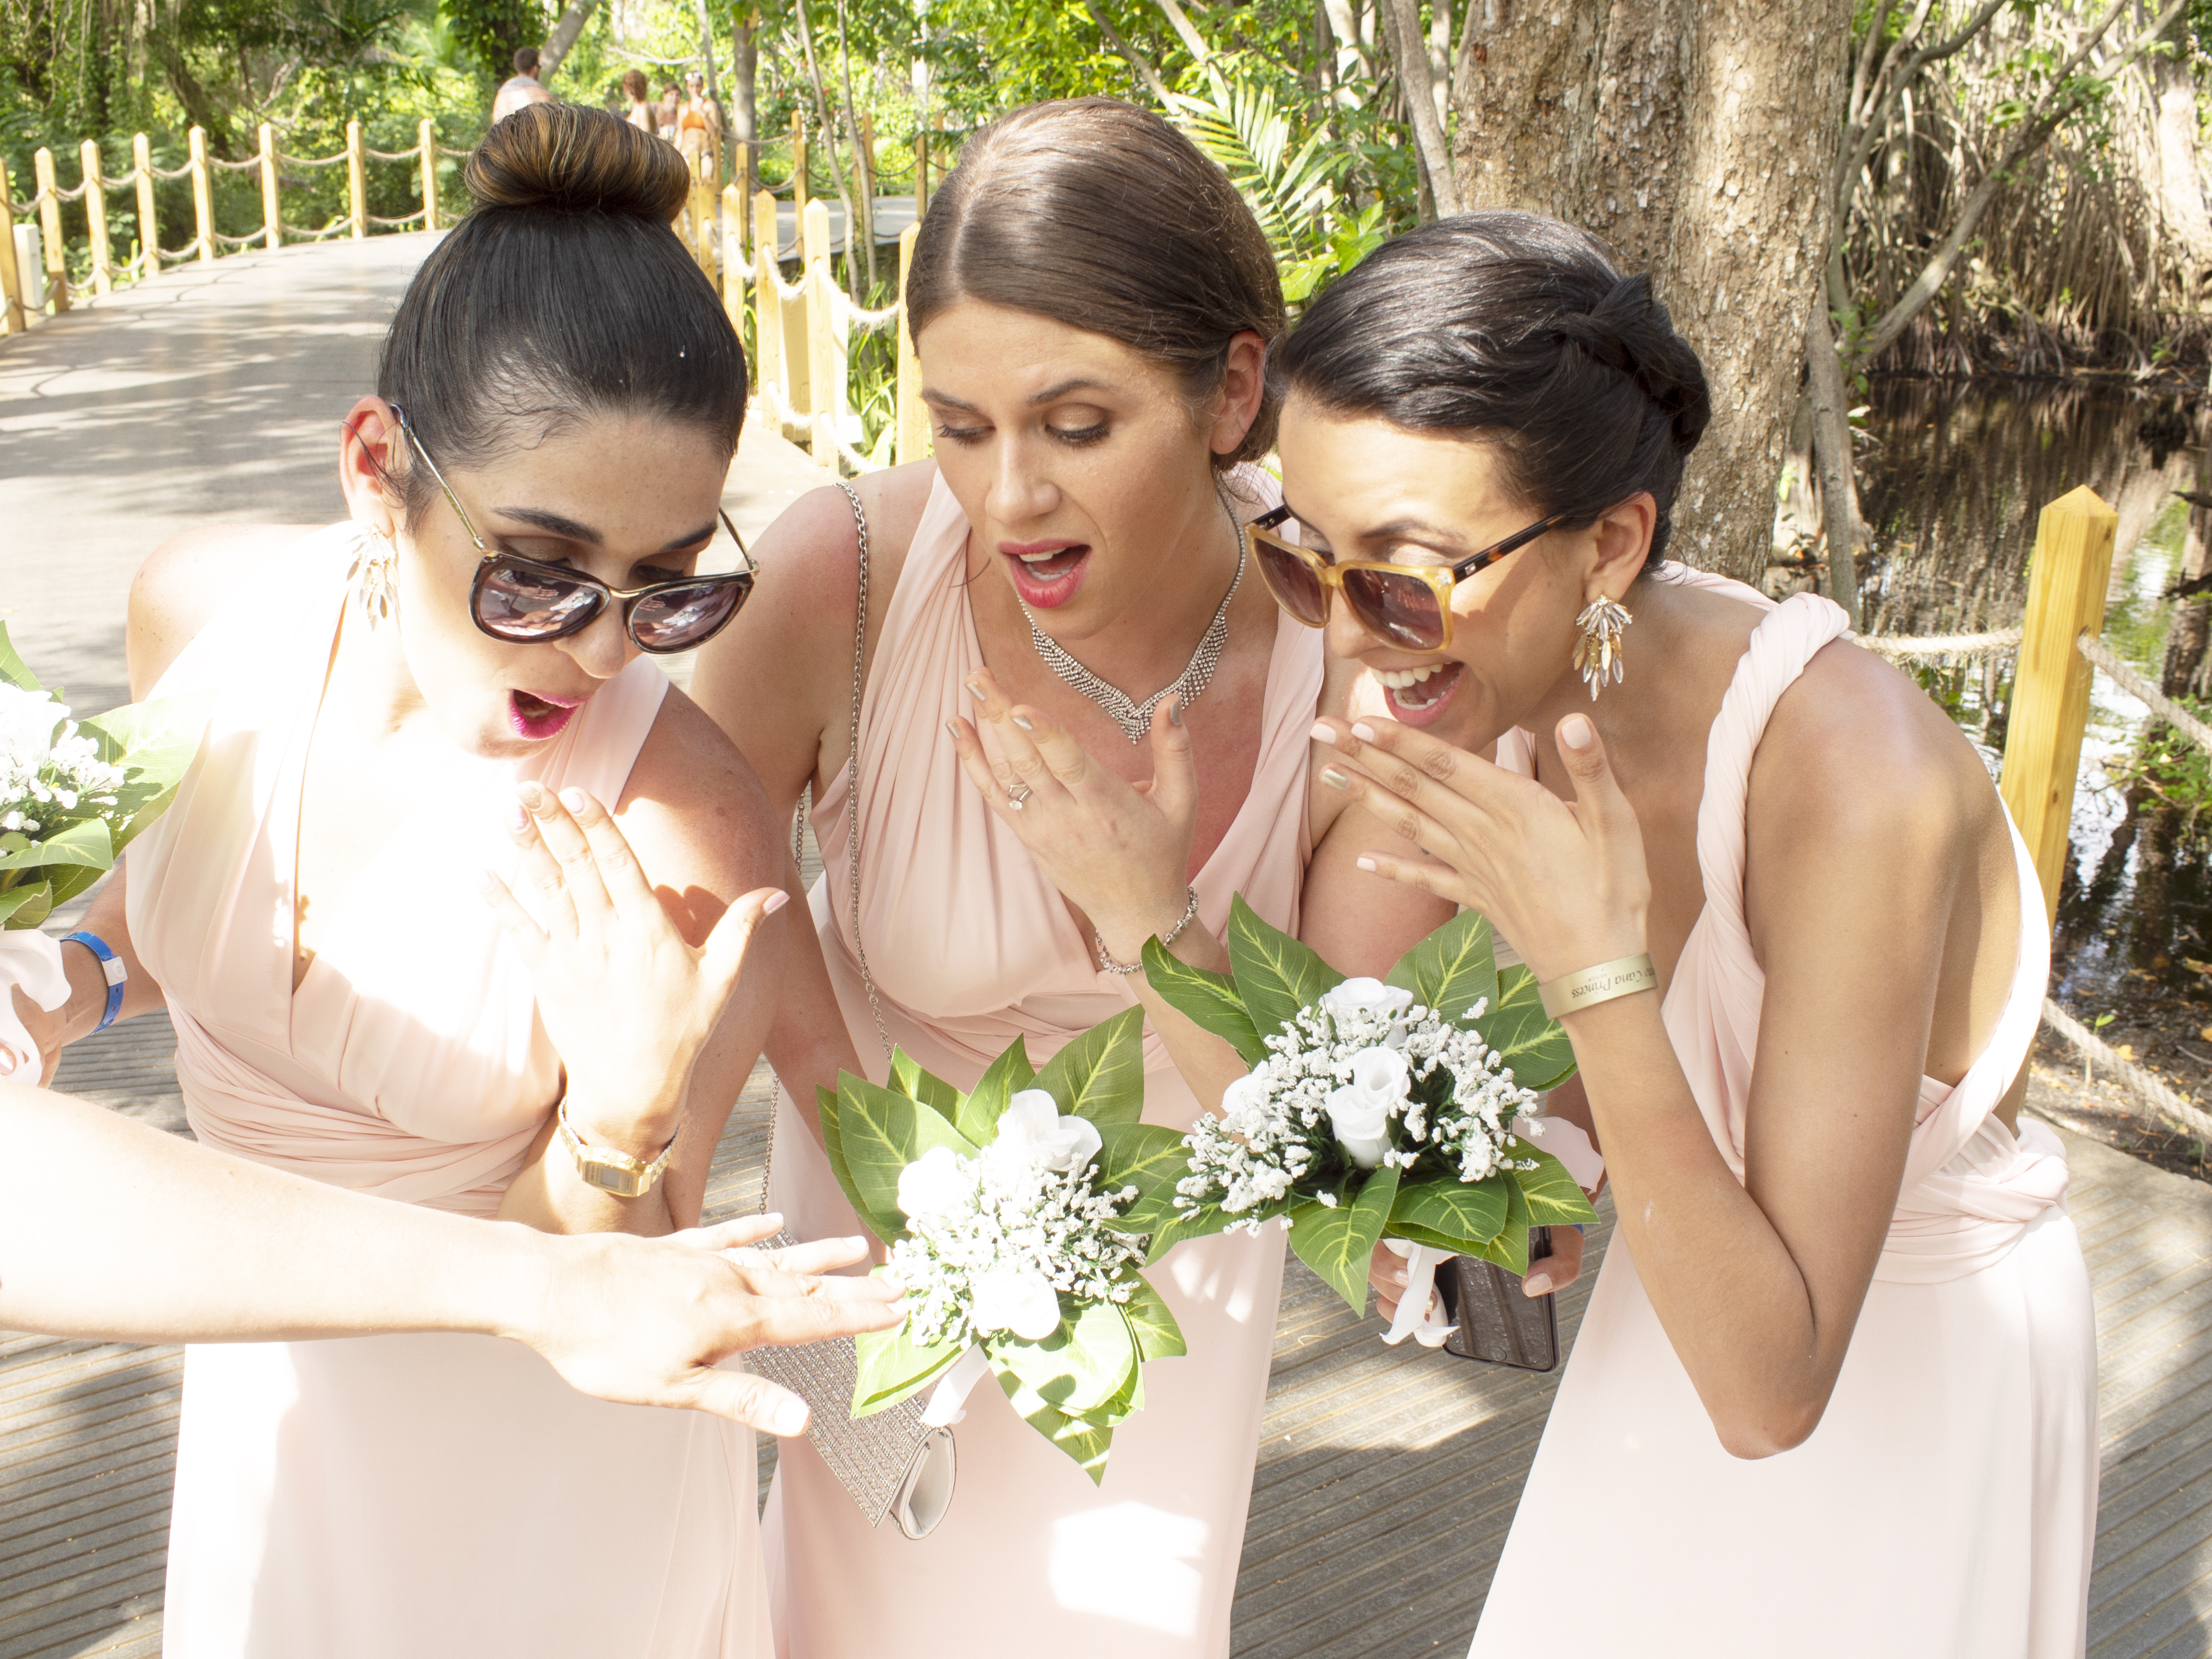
(1836, 1390)
(451, 682)
(1071, 569)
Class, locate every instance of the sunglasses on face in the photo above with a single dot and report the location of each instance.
(1405, 605)
(528, 602)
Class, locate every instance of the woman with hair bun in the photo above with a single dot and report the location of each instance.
(449, 910)
(1062, 638)
(1843, 1337)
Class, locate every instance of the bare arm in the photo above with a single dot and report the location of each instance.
(192, 1246)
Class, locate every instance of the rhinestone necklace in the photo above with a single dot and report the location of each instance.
(1134, 718)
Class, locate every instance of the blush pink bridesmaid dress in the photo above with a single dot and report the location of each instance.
(437, 1496)
(970, 945)
(1945, 1508)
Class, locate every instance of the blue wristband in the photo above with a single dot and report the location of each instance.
(111, 968)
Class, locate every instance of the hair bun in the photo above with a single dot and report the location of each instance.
(566, 158)
(1628, 330)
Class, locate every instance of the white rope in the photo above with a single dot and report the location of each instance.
(302, 161)
(391, 155)
(1934, 648)
(859, 316)
(2146, 1088)
(2143, 691)
(784, 290)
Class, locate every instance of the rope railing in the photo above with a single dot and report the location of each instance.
(2124, 675)
(1939, 647)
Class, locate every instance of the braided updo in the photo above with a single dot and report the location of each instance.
(1517, 329)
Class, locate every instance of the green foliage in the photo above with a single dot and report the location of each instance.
(2168, 765)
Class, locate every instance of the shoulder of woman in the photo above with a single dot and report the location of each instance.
(809, 565)
(695, 811)
(186, 580)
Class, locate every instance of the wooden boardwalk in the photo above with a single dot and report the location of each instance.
(1386, 1478)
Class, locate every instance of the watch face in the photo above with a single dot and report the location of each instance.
(608, 1177)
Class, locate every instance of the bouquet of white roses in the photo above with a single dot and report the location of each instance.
(1401, 1109)
(1005, 1213)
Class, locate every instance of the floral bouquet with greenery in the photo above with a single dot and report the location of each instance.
(1006, 1213)
(1404, 1108)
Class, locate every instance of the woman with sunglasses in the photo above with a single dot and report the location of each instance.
(409, 950)
(1071, 558)
(1844, 1336)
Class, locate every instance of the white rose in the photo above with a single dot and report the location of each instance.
(931, 1184)
(1359, 1112)
(1031, 1131)
(1017, 1299)
(1248, 1094)
(1365, 996)
(27, 720)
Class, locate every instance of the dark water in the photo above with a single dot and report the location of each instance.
(1953, 476)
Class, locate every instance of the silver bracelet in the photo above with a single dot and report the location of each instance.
(1107, 964)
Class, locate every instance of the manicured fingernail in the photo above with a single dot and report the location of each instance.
(1175, 711)
(572, 799)
(1362, 730)
(1396, 1276)
(1537, 1284)
(1365, 863)
(776, 903)
(1575, 731)
(486, 881)
(1334, 779)
(516, 817)
(790, 1417)
(1322, 732)
(953, 726)
(973, 689)
(773, 1217)
(1022, 721)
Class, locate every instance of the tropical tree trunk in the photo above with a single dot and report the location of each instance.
(745, 98)
(1697, 138)
(562, 40)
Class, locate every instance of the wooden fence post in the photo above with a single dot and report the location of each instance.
(733, 256)
(95, 217)
(50, 230)
(357, 181)
(921, 171)
(913, 441)
(13, 318)
(768, 308)
(427, 136)
(202, 195)
(2066, 581)
(821, 386)
(149, 224)
(740, 172)
(272, 215)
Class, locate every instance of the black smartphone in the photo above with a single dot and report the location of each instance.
(1497, 1323)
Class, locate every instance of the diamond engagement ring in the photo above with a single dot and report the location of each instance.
(1016, 795)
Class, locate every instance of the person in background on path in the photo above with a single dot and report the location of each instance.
(672, 102)
(637, 96)
(521, 89)
(698, 123)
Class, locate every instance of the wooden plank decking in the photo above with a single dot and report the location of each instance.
(1386, 1478)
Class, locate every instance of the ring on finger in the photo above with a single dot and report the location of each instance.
(1017, 794)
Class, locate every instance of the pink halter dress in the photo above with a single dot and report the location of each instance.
(1945, 1508)
(970, 945)
(439, 1497)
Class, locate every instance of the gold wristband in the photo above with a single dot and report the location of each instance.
(608, 1169)
(1625, 976)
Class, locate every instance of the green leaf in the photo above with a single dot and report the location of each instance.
(1149, 1157)
(893, 1367)
(158, 741)
(1336, 1243)
(1088, 1443)
(85, 844)
(1209, 1001)
(1470, 1215)
(1209, 1221)
(1100, 1075)
(1528, 1039)
(26, 906)
(1554, 1196)
(1124, 1405)
(1452, 968)
(825, 1105)
(909, 1080)
(1004, 1078)
(13, 668)
(1080, 1366)
(1276, 975)
(879, 1133)
(1509, 1250)
(1152, 1324)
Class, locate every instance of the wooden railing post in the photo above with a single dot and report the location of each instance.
(733, 256)
(357, 181)
(768, 305)
(2066, 581)
(202, 194)
(821, 297)
(149, 225)
(921, 171)
(740, 173)
(913, 440)
(427, 136)
(95, 217)
(14, 319)
(272, 218)
(50, 230)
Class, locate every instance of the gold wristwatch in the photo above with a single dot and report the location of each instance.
(608, 1170)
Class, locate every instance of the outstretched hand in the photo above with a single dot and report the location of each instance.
(1565, 882)
(1118, 852)
(646, 1321)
